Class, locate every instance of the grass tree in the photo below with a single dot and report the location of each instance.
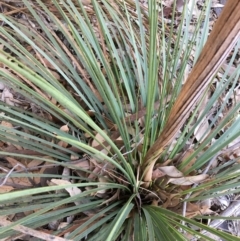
(120, 119)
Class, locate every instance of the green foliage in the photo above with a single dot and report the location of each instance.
(111, 71)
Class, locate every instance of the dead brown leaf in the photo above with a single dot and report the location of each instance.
(194, 209)
(172, 201)
(188, 180)
(157, 174)
(14, 163)
(5, 189)
(171, 171)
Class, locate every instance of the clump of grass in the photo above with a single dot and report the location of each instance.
(110, 104)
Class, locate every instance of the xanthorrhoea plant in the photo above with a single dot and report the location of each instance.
(110, 71)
